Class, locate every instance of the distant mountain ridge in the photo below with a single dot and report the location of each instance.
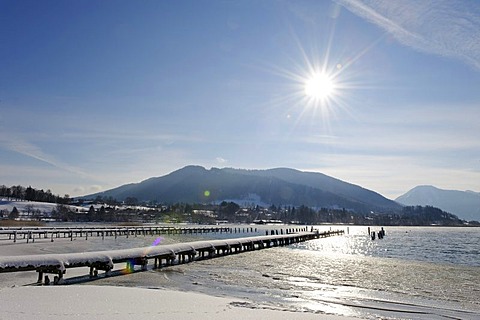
(464, 204)
(280, 186)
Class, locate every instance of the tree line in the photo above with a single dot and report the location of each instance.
(113, 210)
(21, 193)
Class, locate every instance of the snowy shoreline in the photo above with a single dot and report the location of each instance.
(109, 302)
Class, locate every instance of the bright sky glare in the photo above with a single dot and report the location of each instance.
(96, 94)
(319, 86)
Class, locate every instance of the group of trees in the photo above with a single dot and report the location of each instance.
(419, 215)
(31, 194)
(66, 213)
(106, 213)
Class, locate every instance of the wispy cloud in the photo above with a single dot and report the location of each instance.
(220, 160)
(27, 149)
(30, 150)
(449, 28)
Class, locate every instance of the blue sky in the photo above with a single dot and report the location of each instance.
(96, 94)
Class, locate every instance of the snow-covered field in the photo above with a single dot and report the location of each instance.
(29, 207)
(101, 302)
(24, 207)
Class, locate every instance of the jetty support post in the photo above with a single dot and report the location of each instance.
(58, 279)
(40, 276)
(105, 266)
(139, 261)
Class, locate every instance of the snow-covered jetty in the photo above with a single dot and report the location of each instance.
(161, 255)
(31, 233)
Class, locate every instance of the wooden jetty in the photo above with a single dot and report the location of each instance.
(32, 233)
(161, 255)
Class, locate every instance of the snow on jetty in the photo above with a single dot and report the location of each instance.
(162, 255)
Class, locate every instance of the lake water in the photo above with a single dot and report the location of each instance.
(412, 273)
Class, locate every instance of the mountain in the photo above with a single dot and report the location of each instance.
(279, 186)
(464, 204)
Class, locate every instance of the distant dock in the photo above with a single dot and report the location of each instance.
(161, 255)
(31, 233)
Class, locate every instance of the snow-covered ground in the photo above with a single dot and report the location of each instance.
(24, 207)
(114, 303)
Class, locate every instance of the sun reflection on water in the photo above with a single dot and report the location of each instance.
(357, 242)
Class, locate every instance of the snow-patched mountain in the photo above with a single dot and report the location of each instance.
(464, 204)
(281, 186)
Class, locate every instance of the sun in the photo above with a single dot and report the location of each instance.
(319, 86)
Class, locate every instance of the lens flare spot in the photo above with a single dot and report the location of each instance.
(157, 241)
(129, 268)
(206, 193)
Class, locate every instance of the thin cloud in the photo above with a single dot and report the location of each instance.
(447, 28)
(27, 149)
(30, 150)
(220, 160)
